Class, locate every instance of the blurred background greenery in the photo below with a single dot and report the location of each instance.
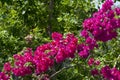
(29, 23)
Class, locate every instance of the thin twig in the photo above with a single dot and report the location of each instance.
(60, 71)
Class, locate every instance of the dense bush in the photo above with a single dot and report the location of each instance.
(95, 56)
(29, 23)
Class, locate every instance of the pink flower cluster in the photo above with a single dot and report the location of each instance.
(95, 72)
(66, 48)
(41, 59)
(106, 72)
(20, 67)
(110, 74)
(6, 72)
(7, 67)
(102, 26)
(3, 76)
(84, 48)
(44, 56)
(60, 48)
(92, 62)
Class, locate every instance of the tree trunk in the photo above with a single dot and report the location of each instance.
(50, 18)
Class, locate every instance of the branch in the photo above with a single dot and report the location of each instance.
(60, 71)
(50, 18)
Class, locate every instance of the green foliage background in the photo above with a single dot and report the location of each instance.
(39, 18)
